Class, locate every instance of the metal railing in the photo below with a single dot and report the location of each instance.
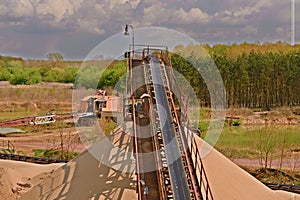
(136, 151)
(7, 146)
(182, 141)
(192, 153)
(30, 159)
(200, 171)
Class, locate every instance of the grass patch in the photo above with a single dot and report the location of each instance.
(241, 142)
(50, 94)
(55, 154)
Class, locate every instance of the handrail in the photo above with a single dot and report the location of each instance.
(31, 159)
(7, 145)
(200, 171)
(139, 189)
(183, 141)
(202, 178)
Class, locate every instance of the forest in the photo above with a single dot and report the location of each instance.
(254, 75)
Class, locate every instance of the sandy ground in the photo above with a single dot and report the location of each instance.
(17, 177)
(51, 139)
(103, 171)
(289, 164)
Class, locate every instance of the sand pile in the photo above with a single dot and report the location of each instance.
(103, 171)
(228, 181)
(17, 177)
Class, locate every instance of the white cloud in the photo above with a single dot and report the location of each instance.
(280, 30)
(90, 26)
(16, 8)
(60, 9)
(155, 13)
(194, 15)
(238, 15)
(115, 3)
(283, 33)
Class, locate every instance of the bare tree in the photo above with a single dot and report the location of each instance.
(266, 144)
(55, 58)
(283, 147)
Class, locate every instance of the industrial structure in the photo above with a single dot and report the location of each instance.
(150, 90)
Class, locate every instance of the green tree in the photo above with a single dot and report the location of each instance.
(4, 74)
(113, 76)
(88, 77)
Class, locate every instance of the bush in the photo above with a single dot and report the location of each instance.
(113, 76)
(25, 77)
(69, 75)
(14, 64)
(203, 126)
(53, 75)
(4, 74)
(88, 77)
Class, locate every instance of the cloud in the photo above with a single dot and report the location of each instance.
(250, 30)
(194, 15)
(56, 22)
(238, 14)
(59, 9)
(16, 9)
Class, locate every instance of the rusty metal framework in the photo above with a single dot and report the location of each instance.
(191, 160)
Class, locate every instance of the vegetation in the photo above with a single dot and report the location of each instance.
(18, 71)
(254, 75)
(107, 125)
(55, 154)
(265, 144)
(113, 76)
(275, 176)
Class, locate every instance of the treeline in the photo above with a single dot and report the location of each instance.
(90, 74)
(102, 74)
(254, 75)
(18, 71)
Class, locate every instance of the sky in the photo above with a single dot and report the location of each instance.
(33, 28)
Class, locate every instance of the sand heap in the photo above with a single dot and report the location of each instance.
(103, 171)
(228, 181)
(17, 177)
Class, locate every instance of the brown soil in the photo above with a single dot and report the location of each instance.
(279, 116)
(50, 139)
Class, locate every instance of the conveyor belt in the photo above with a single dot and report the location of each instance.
(176, 169)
